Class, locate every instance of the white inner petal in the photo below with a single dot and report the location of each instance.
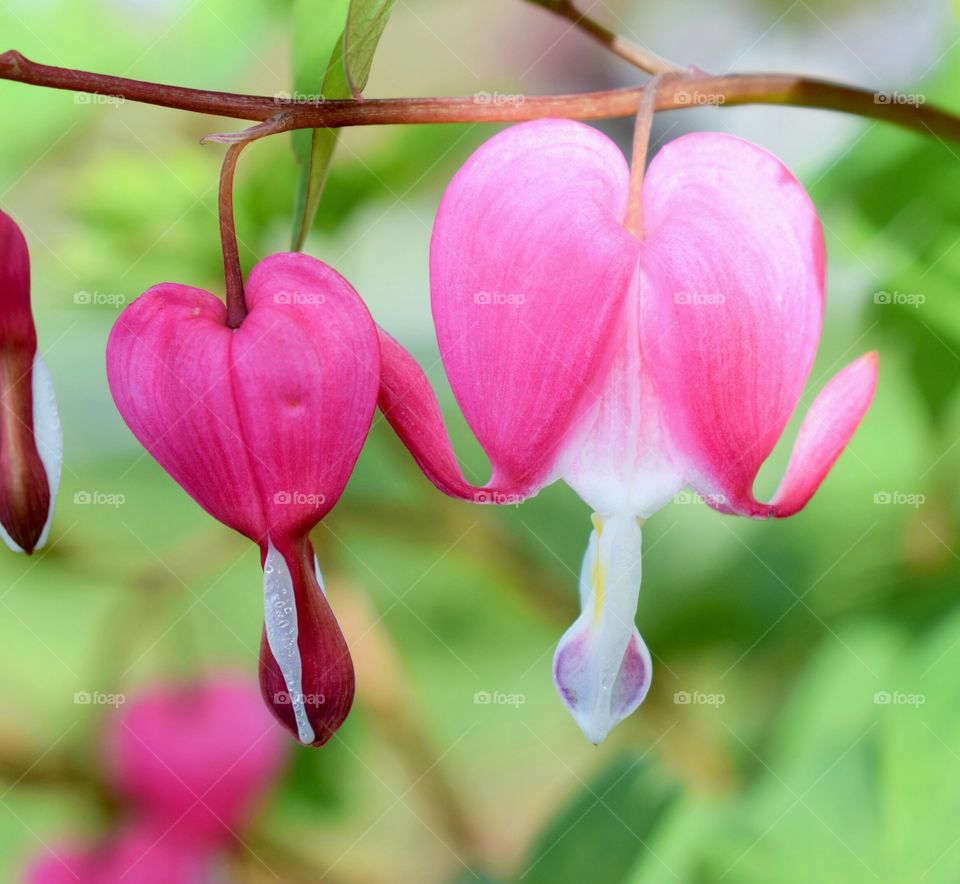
(48, 434)
(8, 540)
(613, 597)
(280, 619)
(600, 682)
(622, 462)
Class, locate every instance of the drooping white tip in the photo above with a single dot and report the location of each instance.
(602, 668)
(48, 435)
(280, 622)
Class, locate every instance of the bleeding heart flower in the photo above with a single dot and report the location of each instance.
(189, 763)
(136, 855)
(31, 442)
(194, 759)
(628, 366)
(262, 425)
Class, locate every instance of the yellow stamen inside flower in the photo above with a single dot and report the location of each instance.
(598, 573)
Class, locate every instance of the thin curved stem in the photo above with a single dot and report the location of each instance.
(232, 272)
(626, 49)
(694, 89)
(638, 159)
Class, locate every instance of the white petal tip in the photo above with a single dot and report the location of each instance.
(599, 701)
(12, 545)
(602, 667)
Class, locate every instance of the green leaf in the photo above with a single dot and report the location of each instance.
(600, 834)
(811, 813)
(365, 23)
(860, 783)
(322, 29)
(318, 29)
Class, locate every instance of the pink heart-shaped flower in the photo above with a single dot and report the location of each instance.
(262, 426)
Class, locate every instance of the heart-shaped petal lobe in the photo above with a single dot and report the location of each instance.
(730, 322)
(529, 264)
(261, 425)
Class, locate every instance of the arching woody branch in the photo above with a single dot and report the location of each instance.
(689, 90)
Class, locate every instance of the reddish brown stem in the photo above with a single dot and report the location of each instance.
(689, 91)
(638, 161)
(232, 272)
(626, 49)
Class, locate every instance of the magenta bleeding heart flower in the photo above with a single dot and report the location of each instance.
(262, 425)
(31, 442)
(190, 764)
(195, 759)
(137, 854)
(628, 366)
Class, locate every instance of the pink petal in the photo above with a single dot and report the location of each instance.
(529, 265)
(68, 864)
(307, 373)
(260, 425)
(139, 854)
(731, 314)
(623, 463)
(169, 367)
(197, 756)
(147, 854)
(825, 432)
(408, 402)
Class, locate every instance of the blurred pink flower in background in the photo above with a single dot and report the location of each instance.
(190, 763)
(137, 855)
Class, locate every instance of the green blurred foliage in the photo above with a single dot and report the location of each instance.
(334, 45)
(798, 774)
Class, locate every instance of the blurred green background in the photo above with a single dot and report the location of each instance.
(819, 656)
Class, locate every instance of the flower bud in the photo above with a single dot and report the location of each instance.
(31, 444)
(306, 673)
